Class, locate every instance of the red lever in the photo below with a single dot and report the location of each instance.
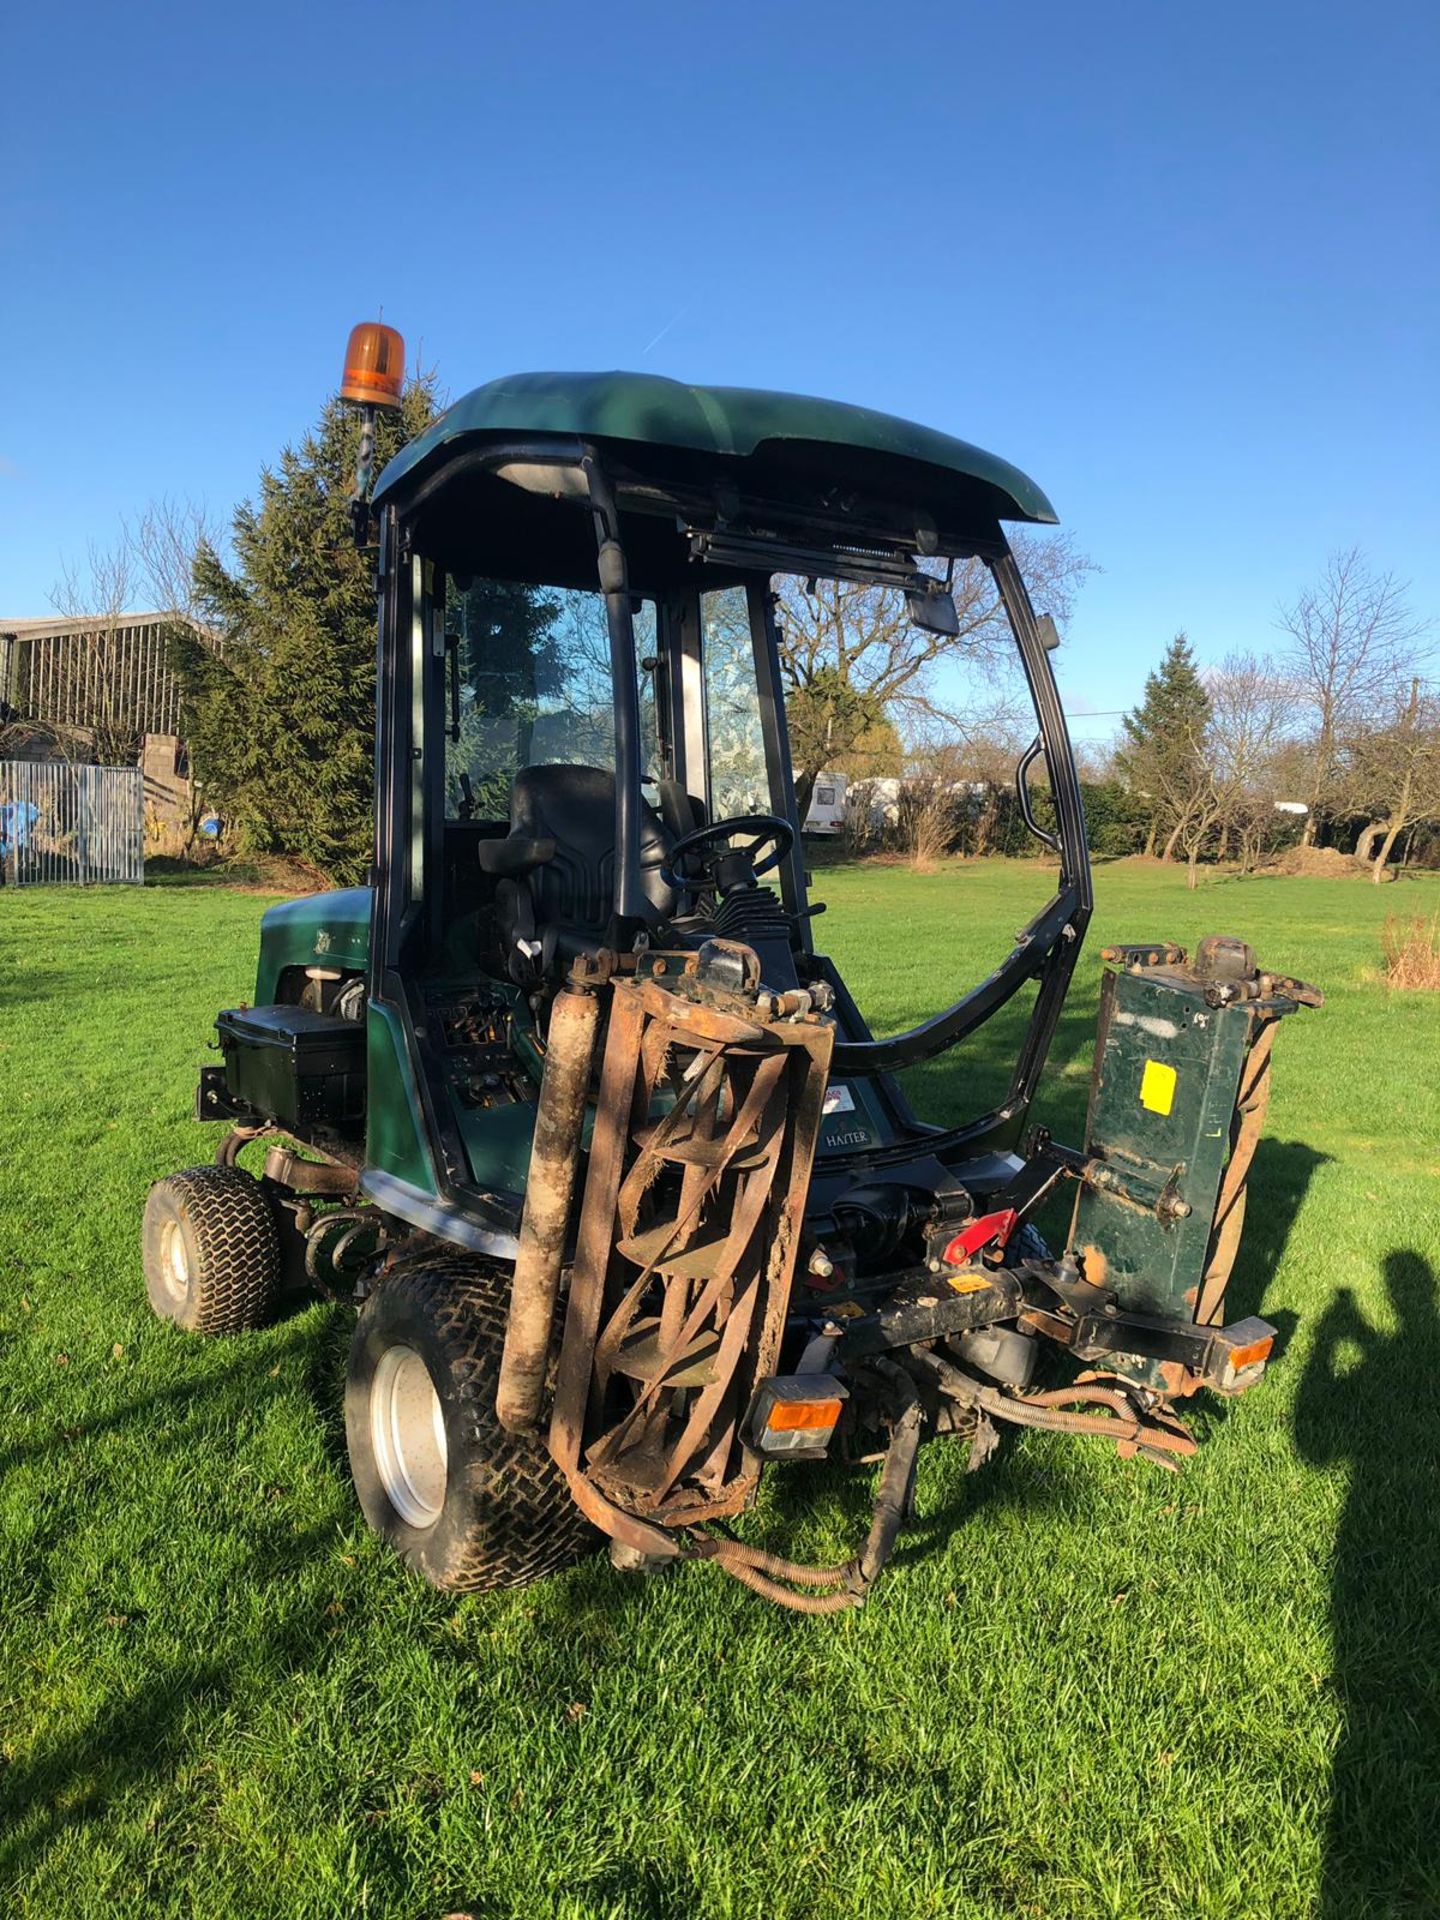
(991, 1229)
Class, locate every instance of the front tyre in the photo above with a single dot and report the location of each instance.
(211, 1251)
(466, 1504)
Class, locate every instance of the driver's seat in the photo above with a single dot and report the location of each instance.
(566, 901)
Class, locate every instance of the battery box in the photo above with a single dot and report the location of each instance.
(296, 1066)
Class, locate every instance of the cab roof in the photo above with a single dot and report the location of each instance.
(646, 410)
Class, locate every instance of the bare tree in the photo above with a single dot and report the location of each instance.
(982, 756)
(926, 818)
(1250, 711)
(1351, 638)
(1199, 802)
(1218, 782)
(163, 544)
(27, 739)
(852, 657)
(1396, 771)
(95, 594)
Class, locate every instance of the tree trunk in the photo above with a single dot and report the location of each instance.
(985, 821)
(1192, 877)
(1368, 837)
(1170, 844)
(1324, 760)
(1150, 837)
(1377, 871)
(1400, 811)
(1222, 852)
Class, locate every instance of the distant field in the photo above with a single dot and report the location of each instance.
(1086, 1689)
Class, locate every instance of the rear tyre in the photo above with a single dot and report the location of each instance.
(211, 1250)
(464, 1503)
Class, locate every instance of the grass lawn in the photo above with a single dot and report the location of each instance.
(1085, 1688)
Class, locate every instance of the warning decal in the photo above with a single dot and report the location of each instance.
(1157, 1086)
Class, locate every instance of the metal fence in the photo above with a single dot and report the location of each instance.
(71, 825)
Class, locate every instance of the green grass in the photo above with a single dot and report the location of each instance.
(1084, 1689)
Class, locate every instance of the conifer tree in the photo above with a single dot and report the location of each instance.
(1165, 740)
(281, 715)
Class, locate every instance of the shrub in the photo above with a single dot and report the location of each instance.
(1412, 953)
(927, 808)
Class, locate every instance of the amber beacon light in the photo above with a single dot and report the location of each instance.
(374, 366)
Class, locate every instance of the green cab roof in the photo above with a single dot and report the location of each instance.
(647, 409)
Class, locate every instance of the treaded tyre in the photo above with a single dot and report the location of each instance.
(211, 1250)
(464, 1503)
(1028, 1244)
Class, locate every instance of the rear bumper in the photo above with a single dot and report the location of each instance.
(1084, 1319)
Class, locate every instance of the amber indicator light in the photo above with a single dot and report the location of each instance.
(802, 1416)
(374, 366)
(1251, 1354)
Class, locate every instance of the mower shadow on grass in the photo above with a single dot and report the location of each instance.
(100, 1765)
(104, 1771)
(1367, 1401)
(840, 1500)
(1280, 1177)
(28, 986)
(248, 1369)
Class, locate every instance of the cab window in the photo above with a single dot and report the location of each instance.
(535, 688)
(738, 781)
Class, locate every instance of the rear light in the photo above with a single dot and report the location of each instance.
(1239, 1354)
(807, 1416)
(795, 1414)
(1252, 1355)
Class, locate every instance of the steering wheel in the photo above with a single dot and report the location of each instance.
(706, 850)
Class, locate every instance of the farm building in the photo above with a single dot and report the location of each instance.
(99, 689)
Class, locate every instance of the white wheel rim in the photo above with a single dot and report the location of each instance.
(174, 1262)
(407, 1435)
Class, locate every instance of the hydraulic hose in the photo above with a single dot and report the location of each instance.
(764, 1572)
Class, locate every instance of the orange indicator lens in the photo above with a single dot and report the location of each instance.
(374, 366)
(1251, 1354)
(802, 1416)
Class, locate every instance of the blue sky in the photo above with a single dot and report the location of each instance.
(1178, 263)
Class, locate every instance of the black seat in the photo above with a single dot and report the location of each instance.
(565, 902)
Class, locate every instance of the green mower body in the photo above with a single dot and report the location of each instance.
(572, 1099)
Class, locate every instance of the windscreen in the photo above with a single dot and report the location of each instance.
(934, 868)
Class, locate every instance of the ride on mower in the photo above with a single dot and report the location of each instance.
(568, 1101)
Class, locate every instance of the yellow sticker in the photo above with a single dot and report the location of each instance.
(968, 1283)
(1157, 1087)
